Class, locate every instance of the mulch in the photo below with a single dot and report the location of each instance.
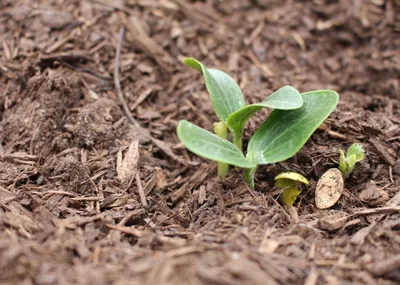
(95, 187)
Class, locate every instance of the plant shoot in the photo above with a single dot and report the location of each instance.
(294, 119)
(290, 183)
(347, 162)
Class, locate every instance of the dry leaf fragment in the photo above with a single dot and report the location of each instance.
(329, 189)
(127, 167)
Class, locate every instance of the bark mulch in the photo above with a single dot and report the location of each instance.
(95, 187)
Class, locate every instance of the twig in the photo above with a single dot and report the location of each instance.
(265, 71)
(383, 151)
(51, 192)
(96, 199)
(376, 211)
(85, 70)
(126, 230)
(128, 113)
(116, 78)
(148, 45)
(141, 192)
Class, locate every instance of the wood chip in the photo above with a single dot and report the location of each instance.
(329, 189)
(325, 127)
(57, 20)
(373, 195)
(5, 195)
(65, 56)
(126, 230)
(359, 237)
(377, 211)
(383, 151)
(386, 266)
(127, 167)
(292, 211)
(312, 278)
(333, 222)
(202, 194)
(147, 44)
(22, 157)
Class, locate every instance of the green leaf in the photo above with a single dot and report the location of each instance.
(226, 96)
(210, 146)
(285, 98)
(351, 163)
(343, 167)
(356, 150)
(283, 133)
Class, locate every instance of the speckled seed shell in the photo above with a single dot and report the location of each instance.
(329, 189)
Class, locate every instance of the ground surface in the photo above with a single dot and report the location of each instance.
(71, 164)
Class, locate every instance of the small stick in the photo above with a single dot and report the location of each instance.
(116, 78)
(126, 230)
(96, 199)
(141, 192)
(128, 113)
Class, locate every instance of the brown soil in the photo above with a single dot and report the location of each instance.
(71, 167)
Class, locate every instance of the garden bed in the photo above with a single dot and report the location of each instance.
(74, 160)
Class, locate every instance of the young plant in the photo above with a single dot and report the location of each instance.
(347, 162)
(283, 133)
(290, 183)
(228, 101)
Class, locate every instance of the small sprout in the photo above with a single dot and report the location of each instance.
(329, 189)
(281, 136)
(347, 162)
(290, 182)
(228, 101)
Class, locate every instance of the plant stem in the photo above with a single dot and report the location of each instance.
(248, 175)
(237, 140)
(221, 130)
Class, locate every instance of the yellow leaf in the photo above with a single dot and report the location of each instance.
(292, 176)
(282, 183)
(290, 182)
(289, 195)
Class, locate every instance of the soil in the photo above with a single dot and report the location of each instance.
(95, 192)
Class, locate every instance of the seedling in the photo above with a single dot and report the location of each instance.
(291, 183)
(347, 162)
(283, 133)
(228, 101)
